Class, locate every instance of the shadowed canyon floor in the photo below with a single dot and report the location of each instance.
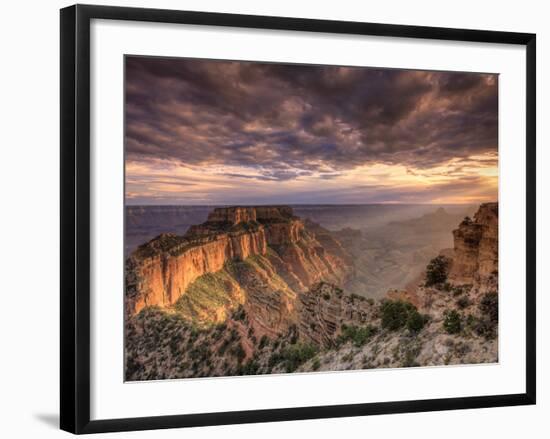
(256, 290)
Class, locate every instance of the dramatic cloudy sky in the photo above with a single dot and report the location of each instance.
(218, 132)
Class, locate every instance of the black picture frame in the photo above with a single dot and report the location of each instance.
(75, 217)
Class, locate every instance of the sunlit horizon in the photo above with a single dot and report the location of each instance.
(216, 133)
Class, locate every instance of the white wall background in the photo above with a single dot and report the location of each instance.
(29, 248)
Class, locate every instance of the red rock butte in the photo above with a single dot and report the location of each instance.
(160, 271)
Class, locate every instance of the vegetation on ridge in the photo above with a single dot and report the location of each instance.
(255, 317)
(437, 271)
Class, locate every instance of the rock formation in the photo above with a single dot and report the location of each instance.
(161, 271)
(325, 308)
(475, 258)
(259, 291)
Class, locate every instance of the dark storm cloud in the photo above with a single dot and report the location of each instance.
(286, 121)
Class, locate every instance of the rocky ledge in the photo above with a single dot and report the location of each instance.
(475, 258)
(278, 309)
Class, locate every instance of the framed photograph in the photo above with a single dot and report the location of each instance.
(268, 218)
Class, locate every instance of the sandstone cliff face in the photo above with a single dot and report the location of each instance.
(265, 302)
(233, 215)
(285, 232)
(475, 258)
(161, 271)
(163, 277)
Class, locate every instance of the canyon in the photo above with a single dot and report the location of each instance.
(160, 272)
(145, 222)
(255, 290)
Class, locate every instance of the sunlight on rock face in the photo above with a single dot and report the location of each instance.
(300, 218)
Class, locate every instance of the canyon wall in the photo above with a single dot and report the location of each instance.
(164, 276)
(160, 271)
(475, 258)
(240, 214)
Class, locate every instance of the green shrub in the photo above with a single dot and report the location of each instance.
(250, 368)
(316, 364)
(274, 359)
(452, 322)
(486, 324)
(437, 271)
(416, 321)
(296, 354)
(397, 314)
(358, 335)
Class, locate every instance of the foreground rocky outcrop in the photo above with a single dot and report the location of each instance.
(475, 258)
(270, 300)
(163, 344)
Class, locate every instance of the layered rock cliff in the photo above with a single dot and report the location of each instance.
(270, 309)
(160, 277)
(475, 256)
(161, 271)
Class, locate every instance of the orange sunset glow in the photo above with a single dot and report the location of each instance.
(201, 132)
